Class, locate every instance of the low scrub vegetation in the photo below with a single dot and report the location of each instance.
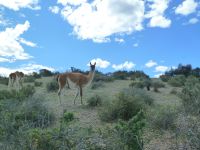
(156, 85)
(52, 86)
(96, 85)
(29, 78)
(3, 80)
(177, 81)
(163, 118)
(94, 101)
(127, 104)
(131, 132)
(36, 83)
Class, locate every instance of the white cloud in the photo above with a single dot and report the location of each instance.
(151, 63)
(28, 43)
(100, 19)
(18, 4)
(100, 63)
(10, 45)
(136, 45)
(156, 14)
(27, 69)
(187, 7)
(158, 75)
(71, 2)
(119, 40)
(193, 21)
(125, 66)
(159, 21)
(54, 9)
(161, 68)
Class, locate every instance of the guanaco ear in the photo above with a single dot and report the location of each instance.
(95, 63)
(90, 64)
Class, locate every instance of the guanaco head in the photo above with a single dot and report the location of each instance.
(92, 67)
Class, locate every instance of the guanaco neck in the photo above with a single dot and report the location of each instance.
(90, 76)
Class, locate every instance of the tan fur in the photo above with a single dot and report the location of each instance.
(75, 80)
(16, 77)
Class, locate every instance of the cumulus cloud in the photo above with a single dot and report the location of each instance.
(100, 63)
(125, 66)
(27, 69)
(156, 13)
(99, 19)
(151, 63)
(186, 7)
(161, 68)
(10, 45)
(18, 4)
(193, 21)
(54, 9)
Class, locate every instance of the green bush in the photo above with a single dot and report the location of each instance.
(191, 95)
(67, 117)
(52, 86)
(48, 139)
(165, 78)
(103, 78)
(29, 78)
(137, 84)
(96, 85)
(174, 91)
(24, 92)
(126, 105)
(94, 101)
(131, 132)
(5, 94)
(35, 113)
(177, 81)
(36, 83)
(156, 85)
(163, 118)
(4, 80)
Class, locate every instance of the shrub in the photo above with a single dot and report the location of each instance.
(24, 92)
(137, 84)
(94, 101)
(174, 91)
(141, 83)
(4, 80)
(5, 94)
(191, 95)
(35, 113)
(126, 105)
(48, 139)
(165, 78)
(68, 117)
(52, 86)
(36, 83)
(177, 81)
(163, 118)
(29, 78)
(96, 85)
(131, 131)
(36, 75)
(157, 85)
(104, 78)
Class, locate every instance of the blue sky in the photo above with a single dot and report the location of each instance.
(151, 35)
